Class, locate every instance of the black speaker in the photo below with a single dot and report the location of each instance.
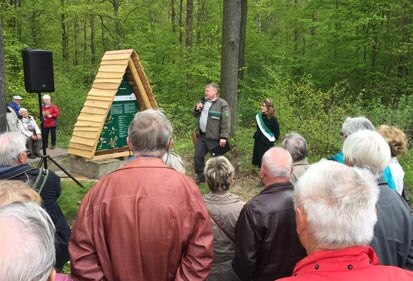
(38, 71)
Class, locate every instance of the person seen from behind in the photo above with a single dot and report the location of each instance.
(223, 208)
(335, 208)
(393, 233)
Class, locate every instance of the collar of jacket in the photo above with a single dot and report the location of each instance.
(276, 187)
(225, 198)
(353, 258)
(301, 162)
(144, 162)
(8, 171)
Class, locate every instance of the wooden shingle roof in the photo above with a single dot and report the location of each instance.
(89, 125)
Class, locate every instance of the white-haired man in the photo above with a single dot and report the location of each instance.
(145, 221)
(335, 214)
(26, 243)
(13, 166)
(393, 233)
(266, 244)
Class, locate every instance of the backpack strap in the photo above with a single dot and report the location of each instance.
(40, 180)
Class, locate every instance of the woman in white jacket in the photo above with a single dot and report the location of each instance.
(32, 133)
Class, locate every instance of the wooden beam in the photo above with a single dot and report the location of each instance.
(137, 79)
(110, 156)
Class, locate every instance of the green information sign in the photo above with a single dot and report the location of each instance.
(124, 108)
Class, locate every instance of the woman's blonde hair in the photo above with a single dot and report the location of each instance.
(395, 137)
(219, 173)
(12, 191)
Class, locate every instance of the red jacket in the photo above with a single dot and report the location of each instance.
(146, 222)
(350, 264)
(53, 110)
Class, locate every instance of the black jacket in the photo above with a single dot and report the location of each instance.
(393, 232)
(50, 194)
(267, 245)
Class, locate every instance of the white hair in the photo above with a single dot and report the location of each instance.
(22, 109)
(149, 132)
(27, 245)
(367, 149)
(339, 202)
(11, 145)
(46, 97)
(296, 145)
(354, 124)
(277, 162)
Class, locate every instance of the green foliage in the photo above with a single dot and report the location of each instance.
(71, 196)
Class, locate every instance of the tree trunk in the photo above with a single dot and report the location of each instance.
(65, 37)
(93, 57)
(75, 41)
(180, 22)
(230, 56)
(118, 27)
(189, 15)
(242, 38)
(173, 16)
(2, 83)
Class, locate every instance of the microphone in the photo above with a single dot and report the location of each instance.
(203, 100)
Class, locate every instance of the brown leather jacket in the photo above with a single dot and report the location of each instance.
(266, 243)
(145, 222)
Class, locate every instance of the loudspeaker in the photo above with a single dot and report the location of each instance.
(38, 71)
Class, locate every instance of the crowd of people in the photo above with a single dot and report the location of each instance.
(19, 120)
(336, 219)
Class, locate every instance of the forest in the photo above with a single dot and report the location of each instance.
(319, 60)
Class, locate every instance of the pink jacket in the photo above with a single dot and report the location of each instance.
(354, 264)
(146, 222)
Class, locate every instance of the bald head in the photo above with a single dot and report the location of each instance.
(277, 165)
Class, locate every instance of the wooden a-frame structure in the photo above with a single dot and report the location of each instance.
(115, 65)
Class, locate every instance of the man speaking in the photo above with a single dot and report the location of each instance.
(213, 127)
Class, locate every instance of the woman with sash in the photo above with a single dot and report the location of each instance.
(268, 131)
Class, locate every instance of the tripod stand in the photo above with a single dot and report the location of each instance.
(45, 157)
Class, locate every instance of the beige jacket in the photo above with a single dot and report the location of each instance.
(225, 209)
(299, 168)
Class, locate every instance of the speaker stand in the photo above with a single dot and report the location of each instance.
(45, 157)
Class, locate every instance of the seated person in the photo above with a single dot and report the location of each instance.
(32, 132)
(335, 208)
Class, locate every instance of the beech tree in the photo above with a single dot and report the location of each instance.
(230, 56)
